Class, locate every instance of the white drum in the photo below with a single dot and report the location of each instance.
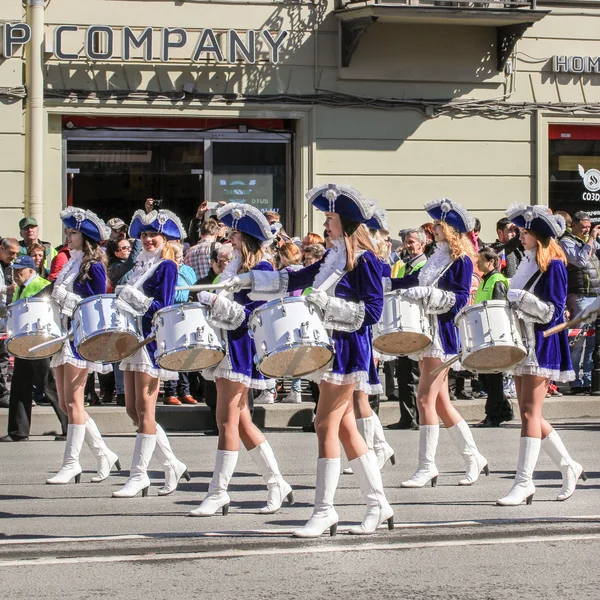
(290, 338)
(404, 327)
(101, 332)
(31, 322)
(185, 340)
(491, 337)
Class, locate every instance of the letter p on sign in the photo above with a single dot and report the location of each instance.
(14, 36)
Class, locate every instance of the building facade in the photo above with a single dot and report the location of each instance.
(484, 102)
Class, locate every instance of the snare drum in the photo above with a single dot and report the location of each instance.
(101, 332)
(290, 338)
(31, 322)
(404, 327)
(185, 341)
(491, 337)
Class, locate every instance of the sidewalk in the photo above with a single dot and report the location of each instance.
(112, 419)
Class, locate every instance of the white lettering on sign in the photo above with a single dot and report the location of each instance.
(576, 64)
(98, 43)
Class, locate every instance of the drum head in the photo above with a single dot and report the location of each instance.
(402, 343)
(191, 359)
(494, 359)
(108, 346)
(19, 346)
(295, 362)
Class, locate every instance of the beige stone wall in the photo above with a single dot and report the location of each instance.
(12, 134)
(401, 158)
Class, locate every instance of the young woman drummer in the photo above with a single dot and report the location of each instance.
(444, 285)
(539, 293)
(84, 275)
(367, 420)
(150, 287)
(237, 373)
(352, 273)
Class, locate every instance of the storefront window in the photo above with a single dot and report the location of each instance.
(251, 172)
(575, 169)
(114, 178)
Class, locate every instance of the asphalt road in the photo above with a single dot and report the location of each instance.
(449, 542)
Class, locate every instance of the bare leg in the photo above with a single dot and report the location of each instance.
(333, 406)
(362, 408)
(73, 389)
(532, 392)
(130, 407)
(250, 434)
(231, 398)
(146, 393)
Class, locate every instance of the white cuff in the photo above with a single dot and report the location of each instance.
(226, 313)
(439, 301)
(136, 299)
(269, 282)
(387, 285)
(344, 316)
(534, 309)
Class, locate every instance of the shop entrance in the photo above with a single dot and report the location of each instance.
(113, 170)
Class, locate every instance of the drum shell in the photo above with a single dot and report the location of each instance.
(290, 338)
(31, 322)
(491, 337)
(185, 339)
(404, 327)
(103, 333)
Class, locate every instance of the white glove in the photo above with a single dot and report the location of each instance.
(417, 293)
(514, 295)
(67, 301)
(207, 298)
(235, 284)
(135, 299)
(589, 313)
(319, 298)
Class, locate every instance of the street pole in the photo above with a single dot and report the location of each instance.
(595, 391)
(34, 78)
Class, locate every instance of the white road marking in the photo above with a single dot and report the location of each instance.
(298, 550)
(287, 532)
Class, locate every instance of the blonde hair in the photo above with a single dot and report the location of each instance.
(168, 250)
(382, 250)
(459, 243)
(251, 252)
(356, 238)
(548, 249)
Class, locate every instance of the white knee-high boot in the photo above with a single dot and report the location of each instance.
(523, 488)
(571, 471)
(217, 489)
(426, 471)
(174, 468)
(105, 458)
(383, 450)
(324, 516)
(279, 490)
(70, 466)
(138, 475)
(368, 473)
(476, 463)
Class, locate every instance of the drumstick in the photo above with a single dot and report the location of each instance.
(201, 288)
(143, 343)
(51, 342)
(445, 365)
(568, 325)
